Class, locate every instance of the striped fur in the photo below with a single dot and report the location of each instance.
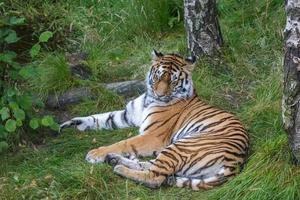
(195, 145)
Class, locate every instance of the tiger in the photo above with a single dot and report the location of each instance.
(194, 145)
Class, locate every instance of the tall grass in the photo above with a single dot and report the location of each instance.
(269, 174)
(53, 76)
(119, 35)
(123, 20)
(254, 57)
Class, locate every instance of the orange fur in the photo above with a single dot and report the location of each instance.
(200, 146)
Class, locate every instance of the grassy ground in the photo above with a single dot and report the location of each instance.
(246, 80)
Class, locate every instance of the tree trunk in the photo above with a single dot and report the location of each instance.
(291, 91)
(202, 27)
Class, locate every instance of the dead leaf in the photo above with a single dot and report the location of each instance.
(48, 177)
(91, 169)
(33, 183)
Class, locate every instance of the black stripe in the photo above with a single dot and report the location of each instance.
(199, 113)
(153, 114)
(150, 125)
(232, 128)
(144, 100)
(110, 121)
(206, 116)
(197, 104)
(127, 120)
(165, 162)
(134, 150)
(162, 166)
(166, 121)
(124, 117)
(207, 165)
(94, 119)
(169, 155)
(158, 173)
(196, 115)
(222, 151)
(107, 123)
(113, 124)
(215, 123)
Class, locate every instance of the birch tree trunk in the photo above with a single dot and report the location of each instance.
(202, 27)
(291, 91)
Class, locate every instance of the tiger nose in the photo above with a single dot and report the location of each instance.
(159, 94)
(162, 89)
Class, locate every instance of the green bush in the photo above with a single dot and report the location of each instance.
(17, 105)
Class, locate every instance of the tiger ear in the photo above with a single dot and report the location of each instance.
(156, 54)
(191, 61)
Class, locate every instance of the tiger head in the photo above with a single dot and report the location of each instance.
(170, 77)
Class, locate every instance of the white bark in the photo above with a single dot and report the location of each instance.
(291, 93)
(202, 27)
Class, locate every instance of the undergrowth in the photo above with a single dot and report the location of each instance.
(119, 36)
(53, 75)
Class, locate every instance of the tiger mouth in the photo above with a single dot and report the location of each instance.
(165, 98)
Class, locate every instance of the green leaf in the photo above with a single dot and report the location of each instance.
(3, 133)
(13, 105)
(8, 56)
(19, 114)
(24, 101)
(11, 92)
(47, 121)
(3, 146)
(14, 75)
(19, 123)
(45, 36)
(54, 126)
(16, 66)
(12, 37)
(4, 32)
(27, 72)
(4, 112)
(16, 20)
(34, 123)
(35, 49)
(2, 129)
(10, 125)
(39, 103)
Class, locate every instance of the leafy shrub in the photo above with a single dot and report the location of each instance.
(18, 107)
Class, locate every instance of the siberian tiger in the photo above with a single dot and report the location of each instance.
(195, 145)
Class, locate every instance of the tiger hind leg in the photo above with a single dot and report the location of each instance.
(145, 177)
(131, 162)
(200, 183)
(166, 164)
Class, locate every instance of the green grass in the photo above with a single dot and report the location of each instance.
(245, 80)
(52, 76)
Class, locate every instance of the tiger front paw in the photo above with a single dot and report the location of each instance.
(81, 123)
(121, 170)
(113, 159)
(96, 155)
